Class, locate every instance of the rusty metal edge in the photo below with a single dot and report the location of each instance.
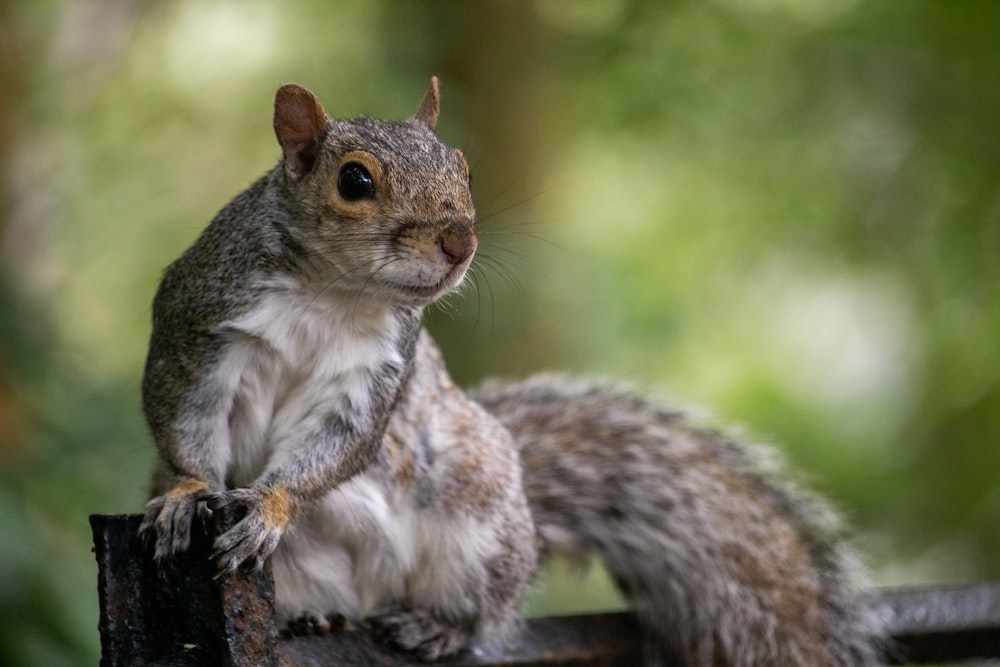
(929, 624)
(925, 624)
(587, 640)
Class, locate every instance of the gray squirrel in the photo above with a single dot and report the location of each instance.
(288, 372)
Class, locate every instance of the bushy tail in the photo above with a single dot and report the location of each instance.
(725, 562)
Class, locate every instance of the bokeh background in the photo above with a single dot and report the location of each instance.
(787, 211)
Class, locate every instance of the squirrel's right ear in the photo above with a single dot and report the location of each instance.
(300, 123)
(430, 107)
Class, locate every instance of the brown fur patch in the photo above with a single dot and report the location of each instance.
(186, 488)
(276, 509)
(399, 458)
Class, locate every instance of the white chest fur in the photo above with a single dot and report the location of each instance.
(294, 359)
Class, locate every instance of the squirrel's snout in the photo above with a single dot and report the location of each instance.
(457, 242)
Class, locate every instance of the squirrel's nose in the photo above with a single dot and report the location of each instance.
(458, 243)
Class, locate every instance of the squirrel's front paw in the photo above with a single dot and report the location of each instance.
(420, 632)
(169, 517)
(256, 535)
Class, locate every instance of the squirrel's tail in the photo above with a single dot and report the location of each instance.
(725, 562)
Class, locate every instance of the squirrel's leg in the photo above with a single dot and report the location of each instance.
(302, 470)
(476, 540)
(483, 605)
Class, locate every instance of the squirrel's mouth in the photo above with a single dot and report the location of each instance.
(421, 291)
(427, 293)
(424, 292)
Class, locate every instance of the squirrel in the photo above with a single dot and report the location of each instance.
(289, 373)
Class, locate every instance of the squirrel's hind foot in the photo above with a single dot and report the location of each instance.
(314, 624)
(421, 632)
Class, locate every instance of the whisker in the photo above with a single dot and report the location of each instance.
(479, 300)
(521, 202)
(344, 274)
(386, 261)
(505, 271)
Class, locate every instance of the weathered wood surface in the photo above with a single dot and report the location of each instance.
(184, 614)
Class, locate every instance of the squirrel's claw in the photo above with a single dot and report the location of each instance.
(168, 519)
(216, 501)
(253, 538)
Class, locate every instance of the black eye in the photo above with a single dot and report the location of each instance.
(355, 182)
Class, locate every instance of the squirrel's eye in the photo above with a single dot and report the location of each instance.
(355, 182)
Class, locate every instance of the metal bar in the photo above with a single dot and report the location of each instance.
(597, 640)
(180, 614)
(942, 623)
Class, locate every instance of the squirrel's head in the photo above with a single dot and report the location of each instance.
(384, 206)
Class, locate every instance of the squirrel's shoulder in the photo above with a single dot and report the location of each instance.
(224, 271)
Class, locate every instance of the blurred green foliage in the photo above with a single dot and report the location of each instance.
(785, 210)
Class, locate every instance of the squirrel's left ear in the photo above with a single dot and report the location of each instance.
(300, 123)
(430, 107)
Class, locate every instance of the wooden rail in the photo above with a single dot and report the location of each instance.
(181, 615)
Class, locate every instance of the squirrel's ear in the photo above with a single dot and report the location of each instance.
(300, 123)
(430, 107)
